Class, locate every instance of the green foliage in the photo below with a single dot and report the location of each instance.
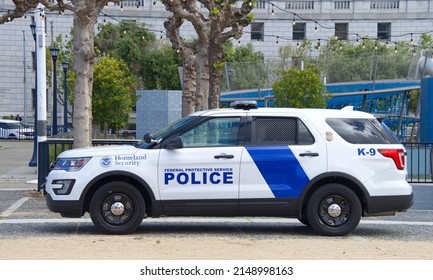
(160, 69)
(246, 68)
(426, 41)
(367, 60)
(219, 65)
(153, 65)
(215, 11)
(250, 18)
(55, 150)
(126, 40)
(293, 56)
(299, 89)
(413, 101)
(113, 93)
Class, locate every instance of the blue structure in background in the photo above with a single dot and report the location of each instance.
(426, 112)
(389, 97)
(157, 108)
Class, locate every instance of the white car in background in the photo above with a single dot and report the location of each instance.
(11, 129)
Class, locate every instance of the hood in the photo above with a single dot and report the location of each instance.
(100, 151)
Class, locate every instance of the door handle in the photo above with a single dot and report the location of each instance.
(224, 156)
(309, 154)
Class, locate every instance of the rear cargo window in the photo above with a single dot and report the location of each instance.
(361, 131)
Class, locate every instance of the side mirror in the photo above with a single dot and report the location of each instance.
(148, 137)
(174, 142)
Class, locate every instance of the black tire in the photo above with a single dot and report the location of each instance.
(117, 208)
(334, 210)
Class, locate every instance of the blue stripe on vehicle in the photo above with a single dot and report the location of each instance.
(280, 169)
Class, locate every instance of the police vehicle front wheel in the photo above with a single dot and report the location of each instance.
(117, 208)
(334, 210)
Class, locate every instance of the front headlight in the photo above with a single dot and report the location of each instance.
(71, 164)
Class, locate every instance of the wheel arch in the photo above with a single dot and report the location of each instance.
(332, 177)
(152, 208)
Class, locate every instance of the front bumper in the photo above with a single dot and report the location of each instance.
(66, 208)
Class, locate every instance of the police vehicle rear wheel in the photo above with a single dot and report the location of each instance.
(334, 210)
(117, 208)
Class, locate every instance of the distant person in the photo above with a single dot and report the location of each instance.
(18, 118)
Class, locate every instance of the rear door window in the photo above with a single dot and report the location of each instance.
(361, 131)
(280, 131)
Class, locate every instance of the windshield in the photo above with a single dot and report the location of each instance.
(14, 126)
(168, 129)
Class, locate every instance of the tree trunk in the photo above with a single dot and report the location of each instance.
(202, 72)
(189, 83)
(215, 87)
(186, 49)
(83, 67)
(85, 18)
(222, 22)
(216, 58)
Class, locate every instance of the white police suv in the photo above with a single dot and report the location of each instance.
(325, 167)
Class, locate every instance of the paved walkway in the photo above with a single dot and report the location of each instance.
(15, 172)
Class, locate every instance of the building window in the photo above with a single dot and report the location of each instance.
(129, 3)
(385, 5)
(34, 61)
(341, 31)
(341, 5)
(299, 31)
(384, 30)
(260, 4)
(257, 31)
(299, 5)
(33, 98)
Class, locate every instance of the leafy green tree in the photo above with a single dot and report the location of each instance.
(292, 56)
(113, 93)
(128, 41)
(299, 89)
(155, 65)
(426, 41)
(245, 68)
(159, 68)
(343, 61)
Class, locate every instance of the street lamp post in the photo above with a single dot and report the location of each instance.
(40, 135)
(54, 54)
(65, 66)
(33, 160)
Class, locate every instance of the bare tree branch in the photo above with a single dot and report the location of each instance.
(21, 7)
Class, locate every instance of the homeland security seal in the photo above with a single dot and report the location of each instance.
(106, 161)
